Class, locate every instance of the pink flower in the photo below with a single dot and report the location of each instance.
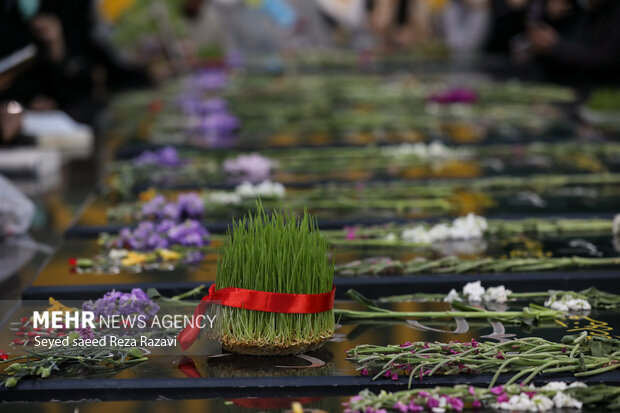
(474, 343)
(426, 345)
(432, 402)
(423, 394)
(530, 394)
(456, 403)
(472, 391)
(394, 376)
(415, 408)
(500, 355)
(350, 232)
(503, 398)
(388, 374)
(476, 404)
(497, 390)
(405, 344)
(364, 371)
(401, 407)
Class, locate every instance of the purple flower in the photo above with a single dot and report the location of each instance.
(156, 241)
(165, 225)
(253, 168)
(214, 105)
(423, 394)
(136, 302)
(165, 157)
(476, 404)
(148, 237)
(193, 105)
(208, 80)
(153, 208)
(190, 205)
(454, 95)
(171, 211)
(85, 333)
(193, 257)
(220, 123)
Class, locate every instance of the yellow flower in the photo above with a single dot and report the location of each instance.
(169, 255)
(112, 10)
(133, 258)
(147, 195)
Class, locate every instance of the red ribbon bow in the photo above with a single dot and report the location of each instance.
(257, 301)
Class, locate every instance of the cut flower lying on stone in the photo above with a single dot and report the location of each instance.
(565, 301)
(148, 246)
(576, 354)
(553, 395)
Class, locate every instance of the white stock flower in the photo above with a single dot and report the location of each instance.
(562, 399)
(391, 237)
(265, 189)
(520, 402)
(555, 386)
(117, 254)
(542, 402)
(497, 294)
(578, 384)
(452, 296)
(225, 198)
(462, 228)
(473, 291)
(416, 235)
(567, 303)
(578, 304)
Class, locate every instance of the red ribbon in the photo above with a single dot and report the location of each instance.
(257, 301)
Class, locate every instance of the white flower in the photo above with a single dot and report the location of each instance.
(452, 296)
(462, 228)
(391, 237)
(416, 235)
(567, 303)
(265, 189)
(473, 291)
(497, 294)
(542, 403)
(578, 304)
(562, 399)
(578, 384)
(520, 402)
(117, 254)
(555, 386)
(443, 403)
(225, 198)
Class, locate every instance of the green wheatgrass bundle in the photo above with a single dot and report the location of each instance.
(280, 253)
